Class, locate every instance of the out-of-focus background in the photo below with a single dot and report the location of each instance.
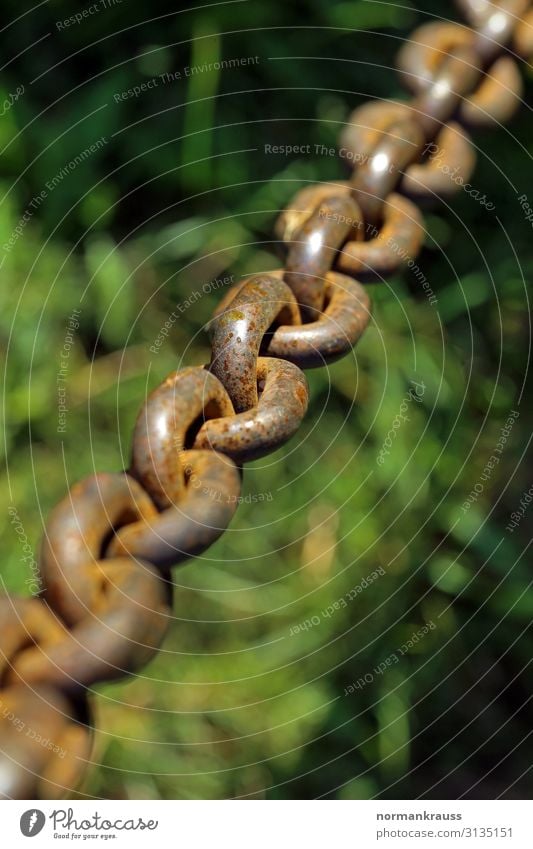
(268, 685)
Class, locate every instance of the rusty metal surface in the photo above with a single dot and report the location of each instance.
(449, 163)
(314, 250)
(457, 74)
(46, 745)
(522, 42)
(119, 636)
(397, 240)
(305, 202)
(109, 545)
(238, 330)
(495, 28)
(333, 334)
(192, 524)
(498, 98)
(375, 179)
(497, 93)
(163, 425)
(423, 55)
(449, 153)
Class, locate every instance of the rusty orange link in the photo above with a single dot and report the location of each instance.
(186, 398)
(334, 334)
(498, 99)
(496, 26)
(45, 743)
(422, 57)
(238, 330)
(72, 546)
(192, 524)
(523, 36)
(118, 637)
(452, 153)
(282, 404)
(314, 250)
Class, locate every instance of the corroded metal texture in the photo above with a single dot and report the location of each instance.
(448, 158)
(121, 632)
(238, 330)
(457, 74)
(118, 638)
(423, 54)
(499, 96)
(449, 162)
(523, 36)
(303, 204)
(423, 57)
(314, 249)
(106, 601)
(45, 746)
(495, 27)
(400, 235)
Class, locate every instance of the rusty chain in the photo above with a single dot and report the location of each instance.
(108, 546)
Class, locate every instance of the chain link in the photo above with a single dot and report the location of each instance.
(109, 544)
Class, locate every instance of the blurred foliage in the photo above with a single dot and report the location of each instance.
(182, 193)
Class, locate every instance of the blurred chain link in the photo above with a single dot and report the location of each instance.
(109, 544)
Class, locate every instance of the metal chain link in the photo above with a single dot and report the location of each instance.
(109, 544)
